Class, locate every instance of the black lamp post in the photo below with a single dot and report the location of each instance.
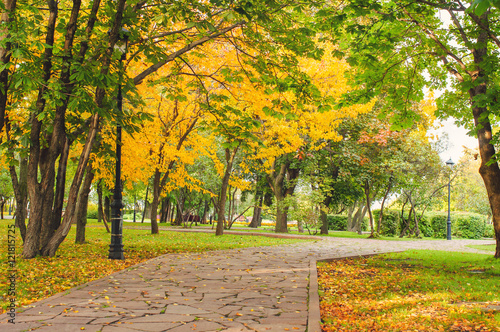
(450, 164)
(116, 246)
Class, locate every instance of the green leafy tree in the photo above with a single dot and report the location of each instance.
(399, 47)
(59, 62)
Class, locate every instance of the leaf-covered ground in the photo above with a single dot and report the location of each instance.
(413, 291)
(75, 264)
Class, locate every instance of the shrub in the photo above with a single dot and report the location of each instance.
(489, 231)
(464, 225)
(92, 211)
(425, 226)
(438, 225)
(469, 225)
(337, 222)
(390, 222)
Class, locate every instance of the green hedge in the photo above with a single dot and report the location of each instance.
(337, 222)
(92, 211)
(463, 225)
(433, 224)
(390, 225)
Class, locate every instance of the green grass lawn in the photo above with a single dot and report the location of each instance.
(485, 247)
(75, 264)
(417, 290)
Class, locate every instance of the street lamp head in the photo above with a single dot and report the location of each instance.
(450, 163)
(122, 42)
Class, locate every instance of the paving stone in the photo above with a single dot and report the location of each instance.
(153, 327)
(160, 318)
(112, 328)
(184, 310)
(197, 326)
(19, 326)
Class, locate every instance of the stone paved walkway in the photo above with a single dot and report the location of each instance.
(253, 289)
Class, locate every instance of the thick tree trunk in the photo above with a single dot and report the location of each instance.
(281, 191)
(281, 215)
(63, 230)
(489, 172)
(83, 201)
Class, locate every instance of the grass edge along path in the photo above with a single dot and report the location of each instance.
(76, 264)
(417, 290)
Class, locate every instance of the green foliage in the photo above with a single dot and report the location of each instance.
(425, 226)
(92, 211)
(463, 225)
(489, 231)
(337, 222)
(390, 225)
(470, 226)
(438, 225)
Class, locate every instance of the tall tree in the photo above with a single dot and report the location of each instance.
(392, 44)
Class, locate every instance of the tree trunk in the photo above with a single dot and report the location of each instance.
(20, 186)
(82, 205)
(489, 172)
(281, 215)
(324, 216)
(256, 215)
(368, 205)
(165, 208)
(63, 230)
(403, 220)
(350, 227)
(178, 213)
(105, 216)
(145, 204)
(361, 217)
(99, 201)
(155, 202)
(281, 191)
(59, 195)
(381, 215)
(230, 155)
(205, 211)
